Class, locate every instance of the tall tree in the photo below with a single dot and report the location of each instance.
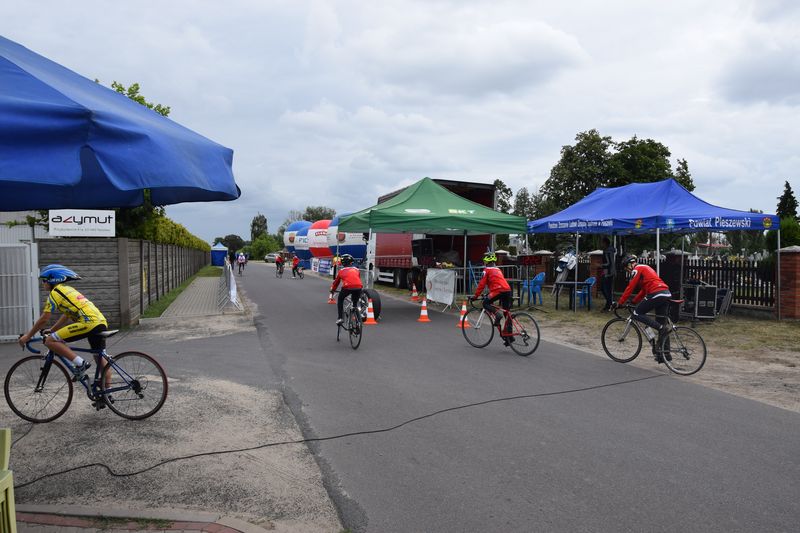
(319, 212)
(523, 204)
(503, 193)
(683, 176)
(258, 227)
(233, 243)
(639, 161)
(787, 203)
(581, 169)
(132, 92)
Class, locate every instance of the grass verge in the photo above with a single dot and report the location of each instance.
(159, 306)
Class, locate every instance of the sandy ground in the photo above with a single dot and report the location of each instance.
(278, 487)
(766, 375)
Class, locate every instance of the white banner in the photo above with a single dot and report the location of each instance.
(440, 285)
(81, 223)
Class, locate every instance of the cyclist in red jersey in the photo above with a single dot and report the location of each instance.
(279, 262)
(295, 264)
(499, 290)
(350, 278)
(653, 294)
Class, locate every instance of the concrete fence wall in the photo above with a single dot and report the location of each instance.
(123, 276)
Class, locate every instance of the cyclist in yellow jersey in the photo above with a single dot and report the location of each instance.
(80, 318)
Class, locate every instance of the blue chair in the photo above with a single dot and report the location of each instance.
(533, 287)
(585, 292)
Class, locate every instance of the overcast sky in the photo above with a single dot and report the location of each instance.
(337, 102)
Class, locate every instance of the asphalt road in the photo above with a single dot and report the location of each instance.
(445, 437)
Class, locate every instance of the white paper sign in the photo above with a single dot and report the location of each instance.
(81, 223)
(440, 285)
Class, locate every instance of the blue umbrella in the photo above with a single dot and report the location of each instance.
(68, 142)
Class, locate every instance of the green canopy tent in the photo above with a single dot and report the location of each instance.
(427, 207)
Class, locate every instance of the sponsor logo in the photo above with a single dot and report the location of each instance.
(638, 223)
(767, 222)
(418, 211)
(670, 223)
(461, 211)
(340, 237)
(291, 238)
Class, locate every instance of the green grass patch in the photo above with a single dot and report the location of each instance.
(155, 309)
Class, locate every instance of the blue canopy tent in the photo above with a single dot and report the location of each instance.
(68, 142)
(642, 208)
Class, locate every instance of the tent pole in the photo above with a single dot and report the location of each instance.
(464, 283)
(683, 239)
(778, 273)
(577, 264)
(658, 252)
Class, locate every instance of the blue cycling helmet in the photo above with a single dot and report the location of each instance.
(54, 274)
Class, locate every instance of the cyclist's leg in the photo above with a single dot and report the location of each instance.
(340, 304)
(505, 303)
(57, 341)
(650, 302)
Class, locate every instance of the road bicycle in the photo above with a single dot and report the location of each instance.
(39, 388)
(352, 322)
(681, 349)
(300, 272)
(279, 271)
(241, 268)
(478, 327)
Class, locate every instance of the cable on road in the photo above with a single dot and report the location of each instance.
(112, 473)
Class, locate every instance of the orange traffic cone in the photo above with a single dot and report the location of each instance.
(414, 295)
(370, 315)
(461, 323)
(330, 299)
(423, 313)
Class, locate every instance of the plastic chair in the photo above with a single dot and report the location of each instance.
(8, 516)
(533, 287)
(5, 448)
(585, 292)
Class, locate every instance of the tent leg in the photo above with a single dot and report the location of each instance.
(778, 274)
(658, 252)
(577, 264)
(464, 282)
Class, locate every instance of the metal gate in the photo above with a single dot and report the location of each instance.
(19, 289)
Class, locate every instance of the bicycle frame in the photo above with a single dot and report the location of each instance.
(631, 322)
(95, 391)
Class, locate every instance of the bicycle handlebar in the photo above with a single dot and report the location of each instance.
(32, 340)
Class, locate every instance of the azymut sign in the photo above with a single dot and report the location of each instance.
(81, 223)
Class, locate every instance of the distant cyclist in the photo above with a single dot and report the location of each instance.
(499, 290)
(241, 260)
(295, 266)
(279, 263)
(350, 278)
(653, 294)
(80, 318)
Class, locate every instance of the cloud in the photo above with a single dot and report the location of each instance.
(465, 58)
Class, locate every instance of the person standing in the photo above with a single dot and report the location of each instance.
(609, 271)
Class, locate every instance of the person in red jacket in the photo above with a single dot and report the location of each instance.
(499, 290)
(279, 262)
(295, 263)
(653, 294)
(350, 278)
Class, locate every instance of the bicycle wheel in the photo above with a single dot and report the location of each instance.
(526, 334)
(478, 328)
(37, 393)
(684, 351)
(621, 340)
(300, 273)
(138, 385)
(355, 328)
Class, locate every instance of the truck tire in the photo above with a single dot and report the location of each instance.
(399, 278)
(366, 294)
